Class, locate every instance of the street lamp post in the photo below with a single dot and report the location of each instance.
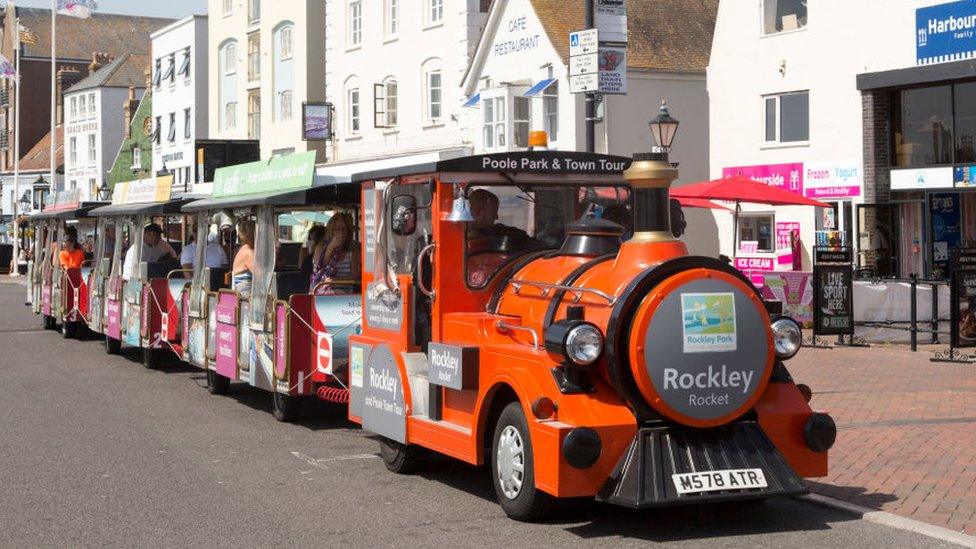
(663, 128)
(104, 192)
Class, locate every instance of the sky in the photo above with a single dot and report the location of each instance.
(173, 9)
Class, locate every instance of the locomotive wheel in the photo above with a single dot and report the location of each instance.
(285, 408)
(512, 469)
(402, 459)
(112, 346)
(69, 330)
(217, 384)
(151, 359)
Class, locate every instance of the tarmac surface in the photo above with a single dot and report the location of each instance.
(96, 450)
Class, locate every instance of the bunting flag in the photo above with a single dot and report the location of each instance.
(81, 9)
(7, 70)
(27, 36)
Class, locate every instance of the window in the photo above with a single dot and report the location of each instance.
(187, 124)
(392, 19)
(355, 30)
(550, 110)
(91, 148)
(228, 7)
(434, 96)
(230, 58)
(136, 157)
(172, 127)
(353, 102)
(170, 73)
(285, 105)
(158, 130)
(787, 117)
(254, 115)
(756, 233)
(227, 85)
(493, 128)
(73, 151)
(784, 15)
(922, 126)
(521, 120)
(385, 104)
(74, 108)
(185, 66)
(158, 73)
(254, 56)
(91, 105)
(253, 11)
(83, 106)
(92, 187)
(230, 115)
(435, 11)
(284, 40)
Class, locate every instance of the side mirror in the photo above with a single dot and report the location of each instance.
(403, 218)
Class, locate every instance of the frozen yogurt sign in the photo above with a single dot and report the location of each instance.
(832, 180)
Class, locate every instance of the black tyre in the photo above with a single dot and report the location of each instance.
(217, 384)
(285, 408)
(512, 468)
(112, 346)
(402, 459)
(152, 358)
(49, 322)
(69, 330)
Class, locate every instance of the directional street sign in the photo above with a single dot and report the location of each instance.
(583, 42)
(584, 64)
(584, 83)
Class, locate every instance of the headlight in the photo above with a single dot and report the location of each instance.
(579, 342)
(787, 337)
(584, 344)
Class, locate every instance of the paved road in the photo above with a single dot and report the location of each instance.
(95, 450)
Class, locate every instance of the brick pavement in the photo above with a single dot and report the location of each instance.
(906, 440)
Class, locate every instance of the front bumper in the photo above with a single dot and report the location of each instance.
(643, 477)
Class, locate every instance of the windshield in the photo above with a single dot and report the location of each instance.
(511, 221)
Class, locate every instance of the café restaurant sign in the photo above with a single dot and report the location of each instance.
(945, 32)
(280, 173)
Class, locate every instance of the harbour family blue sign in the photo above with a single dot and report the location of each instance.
(945, 32)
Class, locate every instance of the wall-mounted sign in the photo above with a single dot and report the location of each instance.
(832, 179)
(912, 179)
(280, 173)
(64, 200)
(945, 32)
(140, 191)
(516, 35)
(964, 177)
(610, 17)
(613, 69)
(317, 121)
(784, 176)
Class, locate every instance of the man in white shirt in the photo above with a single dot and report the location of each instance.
(213, 254)
(154, 250)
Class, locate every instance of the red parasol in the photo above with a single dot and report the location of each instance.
(700, 203)
(742, 189)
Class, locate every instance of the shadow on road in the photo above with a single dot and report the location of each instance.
(857, 495)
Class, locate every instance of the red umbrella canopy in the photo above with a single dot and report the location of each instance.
(742, 189)
(699, 203)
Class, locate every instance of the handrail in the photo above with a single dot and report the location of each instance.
(337, 282)
(546, 287)
(504, 327)
(169, 275)
(428, 249)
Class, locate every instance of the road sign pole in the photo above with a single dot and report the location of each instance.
(590, 103)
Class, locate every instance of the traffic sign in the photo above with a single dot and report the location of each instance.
(584, 83)
(325, 353)
(584, 64)
(583, 42)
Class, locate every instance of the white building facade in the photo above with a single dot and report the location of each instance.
(266, 58)
(871, 119)
(94, 126)
(180, 99)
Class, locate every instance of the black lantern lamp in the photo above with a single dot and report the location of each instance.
(25, 202)
(104, 192)
(663, 128)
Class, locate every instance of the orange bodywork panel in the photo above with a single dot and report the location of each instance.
(783, 412)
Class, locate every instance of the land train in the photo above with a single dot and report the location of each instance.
(531, 311)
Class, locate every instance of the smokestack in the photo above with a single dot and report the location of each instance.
(129, 111)
(651, 175)
(99, 60)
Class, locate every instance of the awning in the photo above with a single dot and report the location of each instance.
(472, 101)
(151, 208)
(539, 87)
(342, 193)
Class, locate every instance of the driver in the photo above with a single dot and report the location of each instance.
(154, 250)
(490, 244)
(484, 210)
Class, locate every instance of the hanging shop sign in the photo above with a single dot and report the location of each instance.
(832, 179)
(913, 179)
(280, 173)
(784, 176)
(610, 17)
(833, 292)
(945, 32)
(963, 297)
(317, 121)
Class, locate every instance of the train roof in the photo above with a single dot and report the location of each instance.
(173, 206)
(339, 192)
(82, 210)
(518, 166)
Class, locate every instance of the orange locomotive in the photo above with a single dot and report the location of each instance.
(510, 318)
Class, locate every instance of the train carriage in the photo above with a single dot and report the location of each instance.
(534, 311)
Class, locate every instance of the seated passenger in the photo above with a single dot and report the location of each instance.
(213, 254)
(241, 274)
(336, 258)
(315, 236)
(154, 250)
(71, 255)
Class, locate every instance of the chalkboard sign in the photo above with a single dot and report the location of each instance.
(963, 298)
(833, 290)
(832, 255)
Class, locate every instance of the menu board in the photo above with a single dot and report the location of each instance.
(833, 293)
(963, 296)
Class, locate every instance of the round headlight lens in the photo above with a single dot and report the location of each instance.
(787, 337)
(584, 344)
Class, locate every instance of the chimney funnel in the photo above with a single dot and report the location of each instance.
(651, 176)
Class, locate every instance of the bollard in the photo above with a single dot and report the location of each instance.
(914, 311)
(935, 312)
